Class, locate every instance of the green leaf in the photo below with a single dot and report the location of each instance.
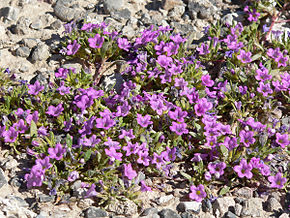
(224, 190)
(33, 129)
(69, 140)
(256, 56)
(224, 150)
(87, 155)
(185, 175)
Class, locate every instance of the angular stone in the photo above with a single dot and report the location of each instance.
(22, 26)
(244, 192)
(171, 4)
(67, 10)
(207, 205)
(272, 204)
(30, 42)
(223, 204)
(17, 201)
(45, 198)
(127, 208)
(149, 211)
(40, 53)
(56, 25)
(113, 5)
(191, 206)
(168, 213)
(230, 214)
(187, 215)
(238, 209)
(23, 52)
(164, 200)
(284, 215)
(3, 180)
(252, 207)
(36, 25)
(10, 13)
(93, 212)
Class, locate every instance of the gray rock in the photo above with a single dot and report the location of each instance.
(168, 213)
(128, 31)
(127, 208)
(42, 198)
(149, 211)
(67, 10)
(244, 192)
(272, 204)
(230, 214)
(17, 201)
(113, 81)
(75, 66)
(40, 53)
(23, 52)
(177, 12)
(171, 4)
(56, 25)
(29, 42)
(36, 25)
(9, 13)
(238, 209)
(22, 26)
(122, 14)
(10, 164)
(16, 182)
(164, 200)
(252, 207)
(187, 215)
(113, 5)
(207, 205)
(3, 180)
(191, 206)
(223, 204)
(284, 215)
(92, 212)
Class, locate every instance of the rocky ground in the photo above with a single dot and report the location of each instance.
(30, 36)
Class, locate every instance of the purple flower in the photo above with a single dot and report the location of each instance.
(265, 89)
(203, 49)
(105, 123)
(171, 48)
(10, 135)
(20, 126)
(277, 181)
(113, 154)
(63, 89)
(253, 16)
(217, 169)
(244, 169)
(54, 111)
(180, 82)
(164, 61)
(159, 48)
(144, 187)
(74, 175)
(282, 61)
(158, 106)
(110, 143)
(274, 53)
(57, 152)
(276, 33)
(178, 114)
(265, 28)
(177, 39)
(158, 160)
(244, 57)
(247, 138)
(129, 172)
(230, 143)
(35, 88)
(243, 89)
(179, 128)
(73, 48)
(131, 148)
(282, 139)
(206, 81)
(123, 110)
(35, 177)
(143, 158)
(144, 121)
(202, 106)
(91, 192)
(128, 134)
(45, 163)
(262, 74)
(96, 42)
(61, 73)
(123, 44)
(169, 154)
(197, 193)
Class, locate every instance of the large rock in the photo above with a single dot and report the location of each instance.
(113, 5)
(223, 205)
(9, 13)
(252, 207)
(67, 10)
(40, 53)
